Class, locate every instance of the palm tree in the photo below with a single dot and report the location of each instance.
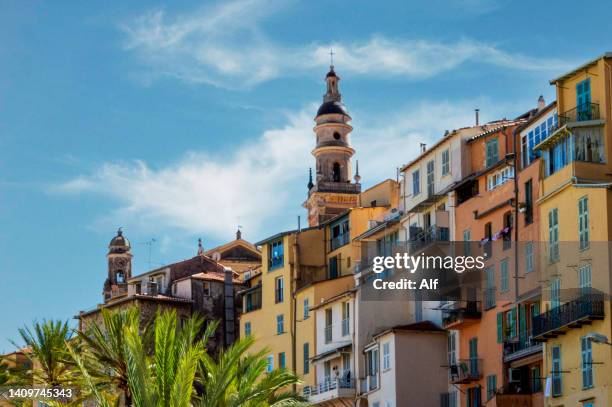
(238, 378)
(51, 364)
(158, 374)
(103, 351)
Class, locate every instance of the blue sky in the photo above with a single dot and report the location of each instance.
(183, 119)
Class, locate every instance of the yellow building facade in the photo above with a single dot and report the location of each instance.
(575, 211)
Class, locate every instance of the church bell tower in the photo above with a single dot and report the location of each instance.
(332, 191)
(119, 266)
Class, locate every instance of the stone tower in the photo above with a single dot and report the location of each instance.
(333, 191)
(119, 266)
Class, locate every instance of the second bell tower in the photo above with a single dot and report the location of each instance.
(332, 190)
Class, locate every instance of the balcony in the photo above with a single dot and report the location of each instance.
(519, 397)
(370, 383)
(340, 241)
(342, 187)
(582, 113)
(466, 371)
(252, 299)
(429, 235)
(570, 315)
(461, 313)
(521, 346)
(330, 389)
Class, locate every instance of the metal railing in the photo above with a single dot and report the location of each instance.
(588, 306)
(340, 241)
(581, 113)
(369, 383)
(461, 310)
(328, 333)
(520, 345)
(466, 370)
(327, 385)
(327, 186)
(345, 327)
(432, 234)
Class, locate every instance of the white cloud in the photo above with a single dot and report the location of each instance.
(262, 185)
(225, 45)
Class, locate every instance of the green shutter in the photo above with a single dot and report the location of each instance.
(522, 324)
(500, 327)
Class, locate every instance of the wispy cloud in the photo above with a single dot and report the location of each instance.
(226, 45)
(262, 185)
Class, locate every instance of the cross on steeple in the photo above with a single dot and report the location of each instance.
(331, 58)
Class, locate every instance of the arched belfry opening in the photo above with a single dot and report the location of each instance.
(336, 177)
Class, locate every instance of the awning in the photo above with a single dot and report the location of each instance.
(331, 354)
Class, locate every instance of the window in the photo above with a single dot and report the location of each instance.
(553, 235)
(279, 285)
(511, 331)
(276, 254)
(346, 363)
(584, 279)
(492, 151)
(306, 309)
(386, 356)
(587, 363)
(306, 358)
(430, 177)
(281, 360)
(555, 293)
(247, 329)
(328, 325)
(490, 292)
(270, 366)
(340, 233)
(528, 257)
(491, 386)
(583, 222)
(556, 371)
(474, 371)
(336, 177)
(500, 177)
(334, 269)
(372, 368)
(206, 288)
(280, 324)
(445, 162)
(583, 100)
(536, 379)
(416, 183)
(346, 311)
(528, 202)
(505, 279)
(120, 277)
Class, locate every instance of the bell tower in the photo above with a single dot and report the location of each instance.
(119, 266)
(332, 190)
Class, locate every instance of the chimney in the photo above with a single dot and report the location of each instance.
(541, 103)
(423, 147)
(229, 323)
(477, 111)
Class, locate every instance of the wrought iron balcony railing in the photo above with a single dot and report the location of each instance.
(572, 314)
(329, 385)
(581, 113)
(520, 346)
(340, 241)
(466, 371)
(432, 234)
(461, 311)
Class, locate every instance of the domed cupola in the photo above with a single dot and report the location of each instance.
(119, 243)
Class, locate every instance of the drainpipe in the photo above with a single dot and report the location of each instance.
(293, 287)
(516, 213)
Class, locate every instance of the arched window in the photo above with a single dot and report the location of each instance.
(336, 172)
(120, 277)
